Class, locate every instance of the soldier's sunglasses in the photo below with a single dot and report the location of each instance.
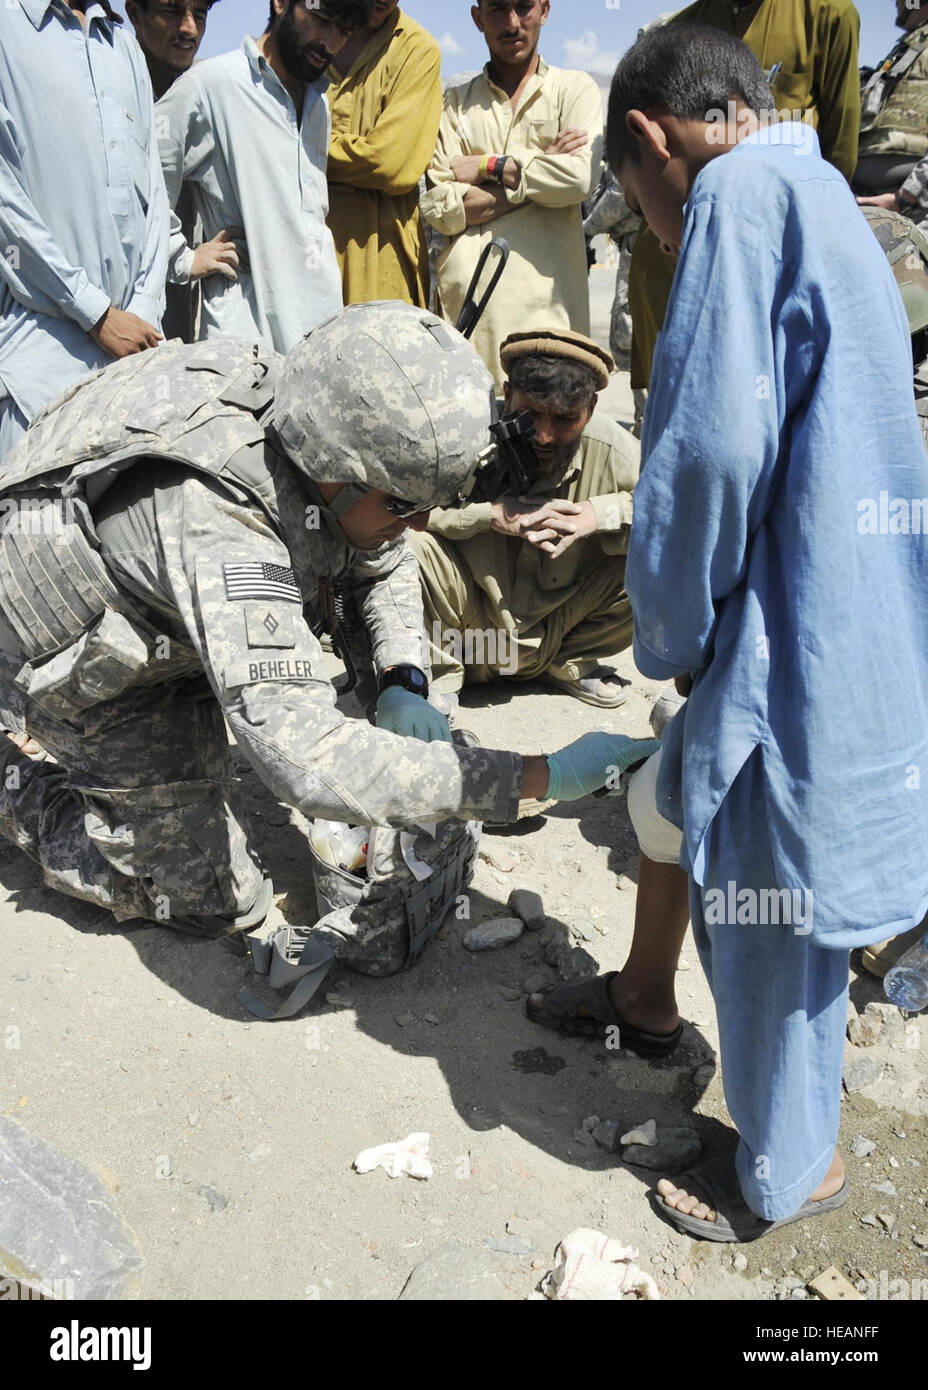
(397, 507)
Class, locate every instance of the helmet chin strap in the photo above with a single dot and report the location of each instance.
(331, 512)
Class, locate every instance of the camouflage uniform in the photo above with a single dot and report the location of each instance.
(170, 466)
(610, 213)
(915, 189)
(893, 149)
(894, 101)
(906, 248)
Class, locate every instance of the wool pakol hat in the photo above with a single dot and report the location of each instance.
(559, 342)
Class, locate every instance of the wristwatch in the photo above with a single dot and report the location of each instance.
(409, 677)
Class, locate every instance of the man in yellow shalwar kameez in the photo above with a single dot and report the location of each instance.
(386, 101)
(808, 48)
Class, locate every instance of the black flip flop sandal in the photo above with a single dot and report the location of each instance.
(716, 1183)
(559, 1011)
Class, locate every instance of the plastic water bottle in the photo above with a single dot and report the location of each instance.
(906, 984)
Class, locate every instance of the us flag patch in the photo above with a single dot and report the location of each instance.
(255, 579)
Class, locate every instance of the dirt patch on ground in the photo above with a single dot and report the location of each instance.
(229, 1143)
(132, 1055)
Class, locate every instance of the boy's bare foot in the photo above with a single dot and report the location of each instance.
(688, 1205)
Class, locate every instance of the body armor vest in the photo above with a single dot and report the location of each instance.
(894, 118)
(200, 405)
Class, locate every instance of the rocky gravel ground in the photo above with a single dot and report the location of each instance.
(226, 1144)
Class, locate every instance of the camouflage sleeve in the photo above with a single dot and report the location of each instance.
(609, 209)
(916, 187)
(389, 598)
(229, 576)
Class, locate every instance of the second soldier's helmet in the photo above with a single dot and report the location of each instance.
(385, 395)
(906, 248)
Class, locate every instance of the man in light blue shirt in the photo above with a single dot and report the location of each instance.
(169, 33)
(762, 576)
(83, 214)
(249, 134)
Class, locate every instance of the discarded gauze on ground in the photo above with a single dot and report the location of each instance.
(642, 1134)
(409, 1155)
(591, 1265)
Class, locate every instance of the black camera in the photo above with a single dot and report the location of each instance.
(511, 467)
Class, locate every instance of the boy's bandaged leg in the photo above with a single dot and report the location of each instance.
(781, 1002)
(658, 838)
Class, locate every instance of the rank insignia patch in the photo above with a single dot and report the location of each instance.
(269, 625)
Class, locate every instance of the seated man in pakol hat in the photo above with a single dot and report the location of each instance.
(533, 586)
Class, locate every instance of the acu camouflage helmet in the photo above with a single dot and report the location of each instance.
(906, 248)
(385, 395)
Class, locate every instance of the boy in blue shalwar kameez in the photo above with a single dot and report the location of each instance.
(781, 401)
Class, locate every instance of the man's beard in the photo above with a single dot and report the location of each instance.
(294, 56)
(552, 469)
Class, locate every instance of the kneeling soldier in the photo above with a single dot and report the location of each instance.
(173, 532)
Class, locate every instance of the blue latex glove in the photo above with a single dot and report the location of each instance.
(402, 712)
(593, 761)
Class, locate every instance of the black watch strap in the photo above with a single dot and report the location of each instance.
(409, 677)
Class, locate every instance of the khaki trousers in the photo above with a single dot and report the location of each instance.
(477, 642)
